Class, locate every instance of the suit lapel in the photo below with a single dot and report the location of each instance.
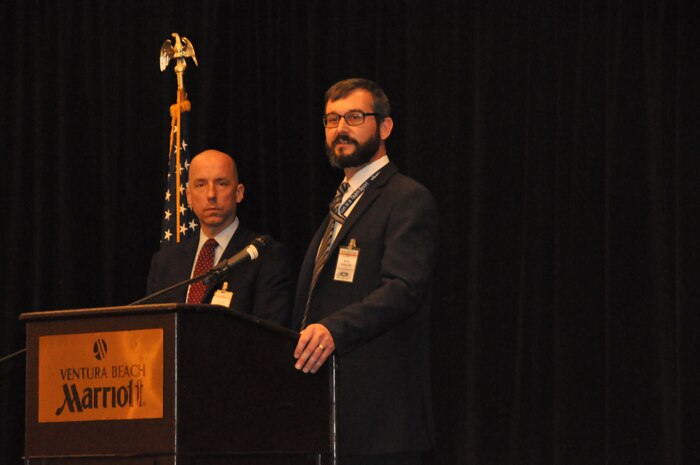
(179, 265)
(241, 238)
(373, 191)
(307, 266)
(185, 258)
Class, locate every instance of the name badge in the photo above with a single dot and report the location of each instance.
(347, 262)
(222, 296)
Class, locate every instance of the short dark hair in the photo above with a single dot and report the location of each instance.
(341, 89)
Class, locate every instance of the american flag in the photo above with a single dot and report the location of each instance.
(179, 220)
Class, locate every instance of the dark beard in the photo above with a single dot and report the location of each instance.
(361, 156)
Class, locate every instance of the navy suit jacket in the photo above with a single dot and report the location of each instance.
(262, 288)
(380, 321)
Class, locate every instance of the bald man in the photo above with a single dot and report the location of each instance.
(263, 287)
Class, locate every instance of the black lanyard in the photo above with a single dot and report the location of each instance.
(358, 192)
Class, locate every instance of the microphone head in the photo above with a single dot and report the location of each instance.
(261, 241)
(256, 247)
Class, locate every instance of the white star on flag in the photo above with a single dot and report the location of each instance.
(178, 219)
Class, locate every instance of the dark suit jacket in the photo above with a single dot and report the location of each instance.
(380, 322)
(262, 288)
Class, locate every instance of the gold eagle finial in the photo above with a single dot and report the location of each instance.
(179, 51)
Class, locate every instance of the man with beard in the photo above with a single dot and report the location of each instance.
(364, 287)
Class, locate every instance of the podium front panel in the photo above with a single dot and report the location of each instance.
(91, 409)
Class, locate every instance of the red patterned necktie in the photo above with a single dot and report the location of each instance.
(205, 261)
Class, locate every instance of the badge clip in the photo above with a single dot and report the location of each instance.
(347, 262)
(223, 296)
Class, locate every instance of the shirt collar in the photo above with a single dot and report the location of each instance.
(223, 238)
(367, 171)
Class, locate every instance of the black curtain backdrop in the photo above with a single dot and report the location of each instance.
(559, 138)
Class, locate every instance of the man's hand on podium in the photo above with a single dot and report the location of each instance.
(314, 347)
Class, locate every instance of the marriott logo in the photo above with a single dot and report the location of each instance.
(128, 395)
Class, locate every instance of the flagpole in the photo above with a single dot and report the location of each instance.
(177, 161)
(178, 52)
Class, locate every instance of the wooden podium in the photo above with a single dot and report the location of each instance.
(170, 384)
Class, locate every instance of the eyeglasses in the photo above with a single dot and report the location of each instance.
(353, 118)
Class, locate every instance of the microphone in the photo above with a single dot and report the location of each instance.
(250, 253)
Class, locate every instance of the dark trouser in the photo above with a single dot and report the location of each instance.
(407, 458)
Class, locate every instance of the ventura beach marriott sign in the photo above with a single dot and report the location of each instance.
(115, 375)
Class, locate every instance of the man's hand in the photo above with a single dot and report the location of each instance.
(314, 347)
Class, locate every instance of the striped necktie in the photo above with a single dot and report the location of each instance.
(324, 248)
